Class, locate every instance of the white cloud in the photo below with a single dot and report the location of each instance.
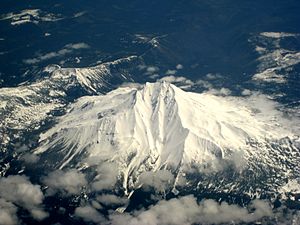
(89, 214)
(246, 92)
(19, 190)
(203, 83)
(171, 72)
(186, 210)
(179, 81)
(260, 49)
(80, 45)
(150, 70)
(69, 48)
(154, 76)
(141, 67)
(179, 67)
(38, 214)
(67, 182)
(131, 85)
(210, 88)
(160, 180)
(212, 76)
(96, 204)
(106, 178)
(222, 91)
(108, 199)
(8, 213)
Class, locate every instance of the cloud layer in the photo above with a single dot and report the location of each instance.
(186, 210)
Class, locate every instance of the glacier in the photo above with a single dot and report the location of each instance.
(223, 144)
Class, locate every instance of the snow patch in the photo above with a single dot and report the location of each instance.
(30, 16)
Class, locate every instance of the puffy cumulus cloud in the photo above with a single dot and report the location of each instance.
(67, 182)
(171, 72)
(222, 91)
(179, 67)
(38, 214)
(179, 81)
(246, 92)
(186, 210)
(69, 48)
(212, 76)
(208, 83)
(204, 84)
(131, 85)
(89, 214)
(108, 199)
(8, 213)
(210, 87)
(174, 71)
(151, 71)
(107, 177)
(160, 180)
(185, 83)
(20, 191)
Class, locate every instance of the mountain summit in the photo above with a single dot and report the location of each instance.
(159, 126)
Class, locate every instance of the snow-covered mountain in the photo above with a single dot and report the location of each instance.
(25, 107)
(231, 143)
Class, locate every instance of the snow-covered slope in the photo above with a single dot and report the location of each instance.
(23, 108)
(159, 126)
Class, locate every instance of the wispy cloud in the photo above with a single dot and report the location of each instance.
(277, 34)
(68, 49)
